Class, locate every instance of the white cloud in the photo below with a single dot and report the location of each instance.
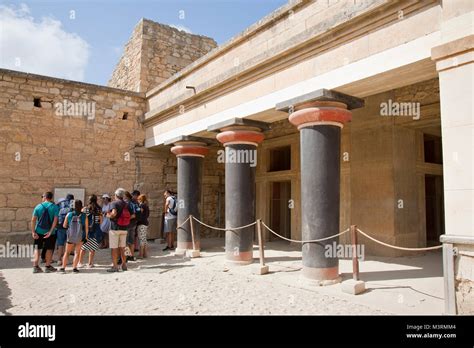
(181, 28)
(40, 47)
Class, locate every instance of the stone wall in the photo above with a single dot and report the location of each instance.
(43, 147)
(154, 53)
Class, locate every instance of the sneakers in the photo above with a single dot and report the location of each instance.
(75, 270)
(112, 269)
(124, 267)
(80, 265)
(37, 269)
(50, 269)
(167, 248)
(131, 258)
(62, 270)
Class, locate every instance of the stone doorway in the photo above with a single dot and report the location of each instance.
(280, 215)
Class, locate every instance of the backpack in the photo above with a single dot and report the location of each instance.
(64, 209)
(136, 209)
(44, 221)
(74, 231)
(172, 210)
(124, 216)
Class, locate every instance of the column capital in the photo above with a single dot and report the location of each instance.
(186, 145)
(239, 131)
(321, 107)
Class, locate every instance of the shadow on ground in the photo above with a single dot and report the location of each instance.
(5, 293)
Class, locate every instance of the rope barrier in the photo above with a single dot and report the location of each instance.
(396, 247)
(184, 222)
(312, 240)
(224, 229)
(304, 241)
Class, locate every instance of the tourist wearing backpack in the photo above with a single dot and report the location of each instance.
(43, 225)
(65, 206)
(171, 214)
(77, 227)
(119, 215)
(94, 217)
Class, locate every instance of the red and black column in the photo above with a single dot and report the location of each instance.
(319, 117)
(190, 152)
(240, 138)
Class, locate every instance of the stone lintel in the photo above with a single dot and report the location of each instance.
(237, 121)
(453, 48)
(189, 138)
(321, 95)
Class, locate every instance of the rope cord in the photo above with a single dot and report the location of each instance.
(310, 241)
(396, 247)
(184, 222)
(303, 241)
(224, 229)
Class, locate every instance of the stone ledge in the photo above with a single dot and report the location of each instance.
(456, 239)
(30, 76)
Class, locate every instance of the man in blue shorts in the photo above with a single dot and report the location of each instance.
(43, 225)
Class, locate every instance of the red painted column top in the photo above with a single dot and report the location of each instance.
(320, 113)
(190, 148)
(240, 135)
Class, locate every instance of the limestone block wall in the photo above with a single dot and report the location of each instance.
(154, 53)
(42, 148)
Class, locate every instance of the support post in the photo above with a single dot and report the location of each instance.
(355, 260)
(240, 138)
(195, 252)
(320, 117)
(263, 269)
(190, 152)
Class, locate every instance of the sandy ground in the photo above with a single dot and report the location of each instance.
(169, 284)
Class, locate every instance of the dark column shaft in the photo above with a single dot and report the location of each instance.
(239, 206)
(320, 171)
(189, 198)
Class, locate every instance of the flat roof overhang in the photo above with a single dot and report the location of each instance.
(396, 67)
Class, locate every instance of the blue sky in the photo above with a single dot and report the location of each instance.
(41, 37)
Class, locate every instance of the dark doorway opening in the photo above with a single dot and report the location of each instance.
(434, 207)
(280, 214)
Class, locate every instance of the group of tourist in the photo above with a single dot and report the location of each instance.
(120, 224)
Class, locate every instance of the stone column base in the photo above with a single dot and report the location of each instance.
(322, 276)
(243, 258)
